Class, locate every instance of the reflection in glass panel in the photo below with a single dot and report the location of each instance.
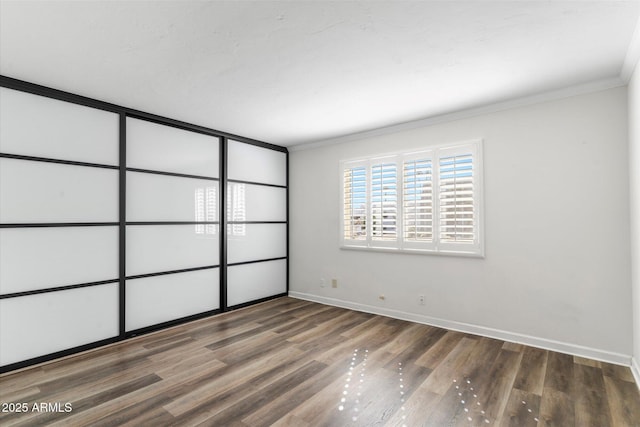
(206, 200)
(236, 209)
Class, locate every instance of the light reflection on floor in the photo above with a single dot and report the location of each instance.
(352, 391)
(469, 400)
(353, 384)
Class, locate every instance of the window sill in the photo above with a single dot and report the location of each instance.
(413, 251)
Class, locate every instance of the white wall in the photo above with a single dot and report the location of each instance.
(557, 267)
(634, 179)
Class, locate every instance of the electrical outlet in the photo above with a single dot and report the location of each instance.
(334, 283)
(422, 300)
(322, 283)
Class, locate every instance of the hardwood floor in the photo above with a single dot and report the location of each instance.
(288, 362)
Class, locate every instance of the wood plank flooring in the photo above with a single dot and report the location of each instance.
(289, 362)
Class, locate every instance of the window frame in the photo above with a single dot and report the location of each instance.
(401, 244)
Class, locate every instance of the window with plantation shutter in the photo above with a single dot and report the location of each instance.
(355, 203)
(417, 204)
(456, 198)
(422, 202)
(384, 201)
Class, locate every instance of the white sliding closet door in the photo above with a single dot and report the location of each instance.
(59, 216)
(257, 223)
(173, 235)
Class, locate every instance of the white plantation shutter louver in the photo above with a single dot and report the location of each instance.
(355, 203)
(384, 201)
(459, 185)
(417, 190)
(456, 199)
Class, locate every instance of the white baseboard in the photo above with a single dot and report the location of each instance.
(635, 370)
(561, 347)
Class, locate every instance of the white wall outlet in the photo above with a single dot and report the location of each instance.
(334, 283)
(322, 283)
(422, 300)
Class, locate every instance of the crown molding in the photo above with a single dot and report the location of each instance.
(595, 86)
(633, 55)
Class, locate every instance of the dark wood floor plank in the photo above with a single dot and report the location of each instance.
(93, 400)
(449, 369)
(170, 388)
(410, 351)
(624, 402)
(532, 371)
(322, 408)
(559, 375)
(616, 371)
(590, 396)
(282, 404)
(416, 410)
(291, 420)
(482, 357)
(215, 394)
(456, 406)
(494, 393)
(556, 409)
(261, 397)
(439, 350)
(370, 340)
(288, 362)
(522, 410)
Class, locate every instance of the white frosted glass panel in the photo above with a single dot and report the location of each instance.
(165, 148)
(152, 197)
(34, 125)
(156, 248)
(246, 202)
(51, 192)
(249, 282)
(158, 299)
(37, 258)
(251, 242)
(251, 163)
(37, 325)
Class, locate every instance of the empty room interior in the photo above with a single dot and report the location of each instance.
(319, 213)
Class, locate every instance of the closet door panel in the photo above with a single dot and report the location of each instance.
(249, 282)
(37, 325)
(252, 242)
(51, 192)
(248, 162)
(33, 125)
(153, 197)
(165, 148)
(38, 258)
(159, 299)
(158, 248)
(247, 202)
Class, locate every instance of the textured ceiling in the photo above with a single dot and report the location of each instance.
(296, 72)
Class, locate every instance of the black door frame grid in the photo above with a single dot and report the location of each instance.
(124, 113)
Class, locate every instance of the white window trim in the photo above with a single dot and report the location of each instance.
(475, 249)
